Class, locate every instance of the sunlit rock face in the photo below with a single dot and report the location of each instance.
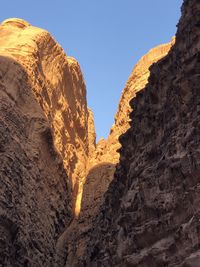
(44, 143)
(151, 212)
(59, 87)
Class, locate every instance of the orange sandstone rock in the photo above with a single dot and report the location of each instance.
(59, 87)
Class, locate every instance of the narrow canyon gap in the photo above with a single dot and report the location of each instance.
(67, 201)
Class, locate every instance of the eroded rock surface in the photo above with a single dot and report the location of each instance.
(59, 87)
(44, 144)
(35, 201)
(51, 166)
(104, 158)
(151, 214)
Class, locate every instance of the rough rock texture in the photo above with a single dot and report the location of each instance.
(151, 212)
(44, 134)
(35, 201)
(136, 82)
(97, 181)
(106, 150)
(59, 87)
(103, 159)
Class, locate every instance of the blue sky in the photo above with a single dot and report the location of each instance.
(107, 37)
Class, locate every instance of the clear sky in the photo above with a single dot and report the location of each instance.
(107, 37)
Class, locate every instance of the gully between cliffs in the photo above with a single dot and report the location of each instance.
(130, 200)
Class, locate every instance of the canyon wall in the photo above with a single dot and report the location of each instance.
(150, 215)
(65, 201)
(103, 160)
(59, 87)
(106, 150)
(46, 137)
(106, 155)
(35, 201)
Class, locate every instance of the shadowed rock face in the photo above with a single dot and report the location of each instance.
(150, 216)
(106, 150)
(35, 201)
(97, 181)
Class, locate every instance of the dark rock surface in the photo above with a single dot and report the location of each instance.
(151, 213)
(97, 181)
(35, 202)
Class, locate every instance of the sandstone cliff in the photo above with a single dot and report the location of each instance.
(106, 150)
(59, 87)
(46, 136)
(51, 166)
(104, 158)
(35, 201)
(150, 216)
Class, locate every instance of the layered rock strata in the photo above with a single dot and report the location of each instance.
(151, 214)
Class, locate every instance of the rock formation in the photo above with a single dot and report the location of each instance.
(59, 87)
(58, 94)
(35, 201)
(103, 160)
(146, 213)
(151, 215)
(44, 143)
(106, 150)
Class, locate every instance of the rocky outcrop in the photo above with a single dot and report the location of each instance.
(106, 154)
(106, 150)
(103, 159)
(147, 213)
(150, 216)
(44, 144)
(59, 87)
(35, 201)
(136, 82)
